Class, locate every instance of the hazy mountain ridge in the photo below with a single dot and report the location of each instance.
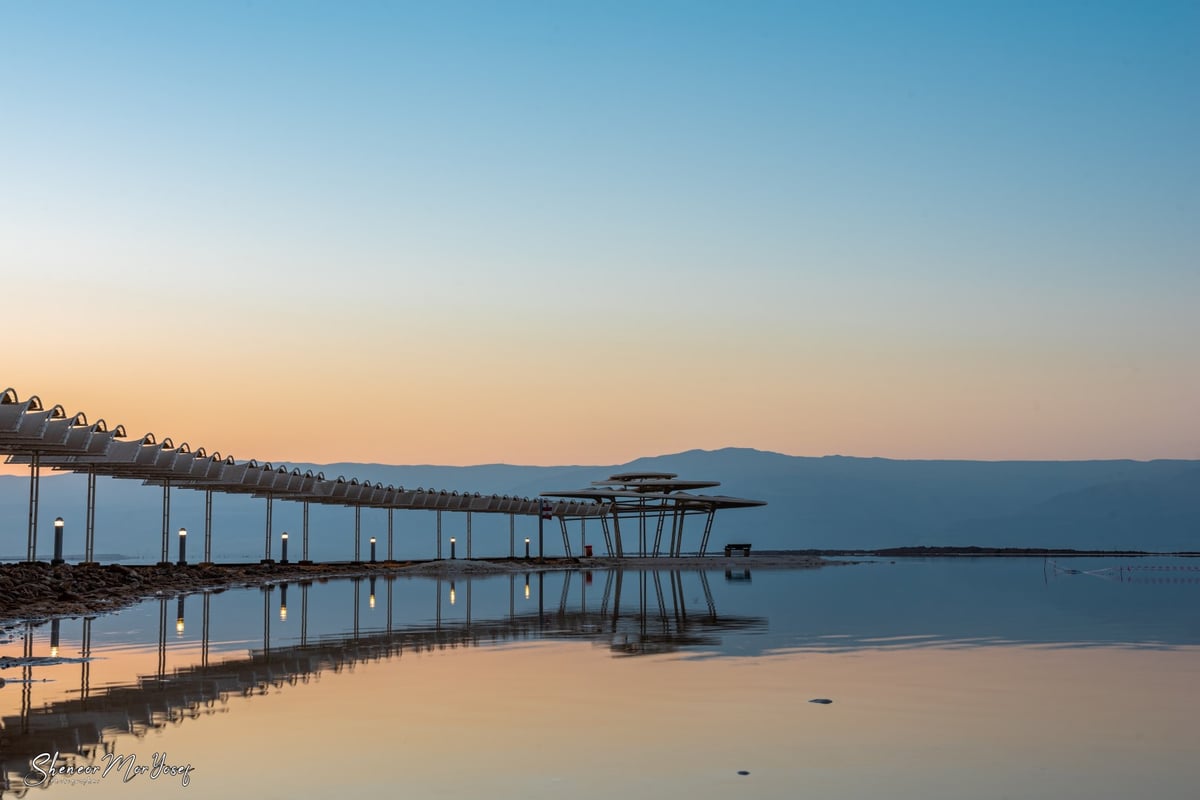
(822, 502)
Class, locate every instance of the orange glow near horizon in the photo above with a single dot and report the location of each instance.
(426, 413)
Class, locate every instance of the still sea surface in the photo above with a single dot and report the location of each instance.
(948, 678)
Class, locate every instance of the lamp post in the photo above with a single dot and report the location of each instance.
(526, 548)
(283, 548)
(182, 547)
(58, 539)
(452, 547)
(372, 549)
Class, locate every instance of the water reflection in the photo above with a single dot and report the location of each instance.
(80, 724)
(175, 659)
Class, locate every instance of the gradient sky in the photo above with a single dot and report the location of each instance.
(580, 232)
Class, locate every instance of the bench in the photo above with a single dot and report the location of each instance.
(744, 549)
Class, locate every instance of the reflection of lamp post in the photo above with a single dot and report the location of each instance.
(527, 547)
(54, 638)
(371, 599)
(283, 588)
(58, 537)
(526, 582)
(452, 589)
(179, 617)
(283, 548)
(182, 546)
(452, 547)
(372, 549)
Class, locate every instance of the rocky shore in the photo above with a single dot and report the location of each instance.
(38, 590)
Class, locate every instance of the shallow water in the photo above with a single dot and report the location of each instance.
(948, 678)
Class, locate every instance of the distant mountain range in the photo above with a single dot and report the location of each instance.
(829, 502)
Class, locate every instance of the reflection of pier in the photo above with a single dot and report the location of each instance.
(83, 728)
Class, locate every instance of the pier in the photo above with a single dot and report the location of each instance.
(48, 437)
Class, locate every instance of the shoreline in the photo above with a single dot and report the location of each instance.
(37, 590)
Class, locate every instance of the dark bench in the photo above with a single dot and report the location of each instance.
(744, 549)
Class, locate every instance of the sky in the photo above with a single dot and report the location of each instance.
(580, 233)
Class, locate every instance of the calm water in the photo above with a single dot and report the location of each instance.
(948, 678)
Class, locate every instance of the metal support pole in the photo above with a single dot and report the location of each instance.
(439, 535)
(658, 533)
(35, 470)
(642, 530)
(707, 530)
(267, 538)
(512, 535)
(562, 523)
(541, 531)
(469, 552)
(389, 556)
(582, 536)
(675, 522)
(607, 537)
(208, 526)
(357, 534)
(89, 536)
(617, 532)
(166, 521)
(304, 537)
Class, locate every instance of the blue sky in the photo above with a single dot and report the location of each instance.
(910, 230)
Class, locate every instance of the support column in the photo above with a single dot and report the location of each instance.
(389, 557)
(642, 529)
(607, 538)
(468, 538)
(541, 531)
(89, 536)
(208, 526)
(35, 470)
(357, 534)
(304, 537)
(707, 530)
(166, 522)
(562, 523)
(512, 535)
(439, 536)
(267, 546)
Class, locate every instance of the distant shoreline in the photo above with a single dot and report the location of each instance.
(975, 551)
(31, 591)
